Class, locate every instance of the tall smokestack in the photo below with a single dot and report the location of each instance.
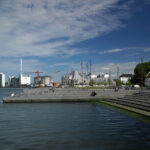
(20, 65)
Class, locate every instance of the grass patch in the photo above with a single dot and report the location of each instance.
(140, 117)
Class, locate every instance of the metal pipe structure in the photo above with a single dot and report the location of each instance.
(57, 75)
(82, 72)
(141, 73)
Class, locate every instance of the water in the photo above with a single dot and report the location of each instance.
(80, 126)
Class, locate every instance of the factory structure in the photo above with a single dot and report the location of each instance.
(43, 80)
(2, 79)
(86, 78)
(75, 78)
(25, 81)
(21, 81)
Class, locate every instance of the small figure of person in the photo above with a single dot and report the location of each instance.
(53, 88)
(116, 89)
(93, 93)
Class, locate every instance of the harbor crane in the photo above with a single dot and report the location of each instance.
(38, 74)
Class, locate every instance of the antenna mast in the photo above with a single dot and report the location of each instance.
(109, 78)
(20, 65)
(87, 67)
(82, 72)
(141, 73)
(90, 68)
(117, 72)
(57, 75)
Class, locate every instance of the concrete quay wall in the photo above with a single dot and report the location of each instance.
(65, 95)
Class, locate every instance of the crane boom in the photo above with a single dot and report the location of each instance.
(38, 74)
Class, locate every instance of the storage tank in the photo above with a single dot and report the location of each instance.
(46, 80)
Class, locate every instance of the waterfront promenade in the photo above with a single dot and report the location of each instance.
(133, 100)
(66, 94)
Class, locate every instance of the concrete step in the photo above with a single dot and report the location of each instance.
(130, 105)
(135, 102)
(139, 98)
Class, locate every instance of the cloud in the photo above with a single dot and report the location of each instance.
(146, 49)
(117, 50)
(50, 27)
(113, 51)
(127, 67)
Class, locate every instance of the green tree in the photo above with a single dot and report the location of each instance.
(138, 71)
(92, 82)
(118, 82)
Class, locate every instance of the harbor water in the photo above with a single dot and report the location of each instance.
(77, 126)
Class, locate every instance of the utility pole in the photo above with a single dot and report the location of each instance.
(117, 72)
(57, 75)
(87, 67)
(90, 68)
(21, 66)
(141, 73)
(82, 72)
(72, 81)
(109, 78)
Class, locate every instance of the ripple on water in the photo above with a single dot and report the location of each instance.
(69, 126)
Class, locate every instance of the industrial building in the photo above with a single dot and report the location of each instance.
(46, 80)
(2, 79)
(24, 80)
(13, 82)
(76, 78)
(9, 80)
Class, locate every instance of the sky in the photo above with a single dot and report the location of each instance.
(52, 35)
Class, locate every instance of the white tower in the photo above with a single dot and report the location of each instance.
(2, 79)
(24, 80)
(21, 66)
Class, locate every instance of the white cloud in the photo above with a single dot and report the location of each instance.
(49, 27)
(116, 50)
(147, 50)
(113, 51)
(127, 67)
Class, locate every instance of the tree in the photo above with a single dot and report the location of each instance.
(92, 82)
(138, 71)
(118, 82)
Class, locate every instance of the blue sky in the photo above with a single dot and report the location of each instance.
(55, 35)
